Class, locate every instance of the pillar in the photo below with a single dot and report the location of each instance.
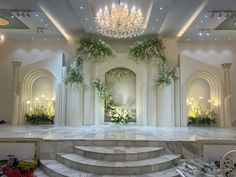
(15, 92)
(227, 95)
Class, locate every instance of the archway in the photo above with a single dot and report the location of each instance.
(215, 93)
(31, 91)
(141, 88)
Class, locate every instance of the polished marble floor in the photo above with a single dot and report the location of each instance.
(117, 132)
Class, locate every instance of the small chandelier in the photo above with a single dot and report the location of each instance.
(2, 39)
(120, 22)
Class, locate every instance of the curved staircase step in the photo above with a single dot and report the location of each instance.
(118, 168)
(111, 153)
(56, 169)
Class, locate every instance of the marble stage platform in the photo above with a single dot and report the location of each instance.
(118, 132)
(87, 149)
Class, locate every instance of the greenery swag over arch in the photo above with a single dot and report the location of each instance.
(97, 50)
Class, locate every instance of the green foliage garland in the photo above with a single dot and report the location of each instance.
(154, 49)
(148, 49)
(88, 48)
(95, 49)
(166, 75)
(117, 114)
(74, 75)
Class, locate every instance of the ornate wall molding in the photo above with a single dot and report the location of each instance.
(27, 85)
(141, 87)
(215, 93)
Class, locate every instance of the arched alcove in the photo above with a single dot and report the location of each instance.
(141, 88)
(121, 82)
(37, 83)
(206, 85)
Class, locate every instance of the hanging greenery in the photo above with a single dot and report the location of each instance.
(95, 49)
(74, 76)
(166, 75)
(88, 48)
(117, 114)
(148, 49)
(154, 49)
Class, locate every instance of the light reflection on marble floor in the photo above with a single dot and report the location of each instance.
(117, 132)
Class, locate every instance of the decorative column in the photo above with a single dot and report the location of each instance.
(227, 95)
(15, 92)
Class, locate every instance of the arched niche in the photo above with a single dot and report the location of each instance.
(206, 86)
(141, 88)
(121, 82)
(37, 83)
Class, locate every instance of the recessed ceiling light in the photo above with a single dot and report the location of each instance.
(46, 24)
(153, 28)
(206, 16)
(81, 7)
(12, 16)
(201, 21)
(157, 19)
(200, 33)
(86, 19)
(90, 27)
(219, 16)
(161, 8)
(36, 15)
(41, 20)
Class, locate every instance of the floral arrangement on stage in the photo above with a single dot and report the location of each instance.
(74, 75)
(95, 49)
(197, 115)
(116, 113)
(154, 49)
(41, 112)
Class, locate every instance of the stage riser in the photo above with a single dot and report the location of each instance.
(49, 149)
(115, 168)
(106, 153)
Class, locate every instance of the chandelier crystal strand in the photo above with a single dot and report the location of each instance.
(120, 22)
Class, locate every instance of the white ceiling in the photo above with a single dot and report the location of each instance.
(164, 17)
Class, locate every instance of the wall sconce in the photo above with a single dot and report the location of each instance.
(2, 39)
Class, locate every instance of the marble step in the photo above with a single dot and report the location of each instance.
(39, 173)
(111, 153)
(118, 168)
(56, 169)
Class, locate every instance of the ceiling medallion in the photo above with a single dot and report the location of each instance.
(3, 21)
(120, 22)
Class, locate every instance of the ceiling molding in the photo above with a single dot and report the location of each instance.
(192, 18)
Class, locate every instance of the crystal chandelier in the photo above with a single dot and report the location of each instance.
(120, 22)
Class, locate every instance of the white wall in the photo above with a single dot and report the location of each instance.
(28, 52)
(213, 53)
